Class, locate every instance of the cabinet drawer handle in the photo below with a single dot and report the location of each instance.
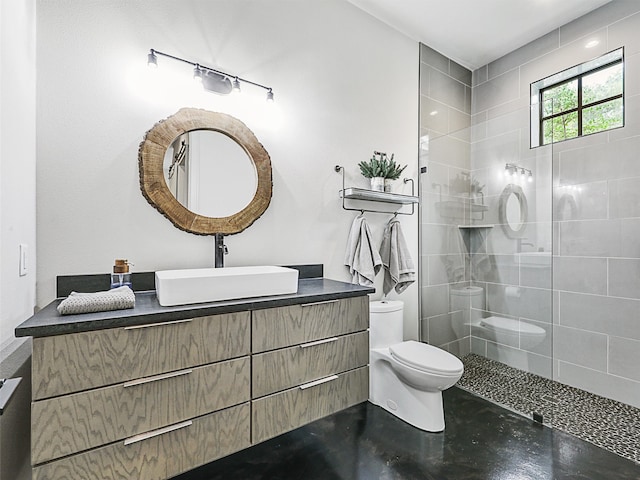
(154, 433)
(318, 342)
(318, 303)
(140, 381)
(147, 325)
(318, 382)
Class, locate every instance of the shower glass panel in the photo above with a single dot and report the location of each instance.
(486, 258)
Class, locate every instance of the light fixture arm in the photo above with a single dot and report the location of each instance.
(205, 69)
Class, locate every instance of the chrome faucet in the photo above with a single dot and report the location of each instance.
(521, 243)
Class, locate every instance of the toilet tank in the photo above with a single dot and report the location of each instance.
(385, 323)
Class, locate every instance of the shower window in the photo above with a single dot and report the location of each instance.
(582, 100)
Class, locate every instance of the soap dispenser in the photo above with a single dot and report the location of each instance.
(121, 276)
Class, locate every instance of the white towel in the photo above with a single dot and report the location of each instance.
(363, 260)
(399, 271)
(115, 299)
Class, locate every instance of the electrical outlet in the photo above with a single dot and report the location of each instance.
(23, 259)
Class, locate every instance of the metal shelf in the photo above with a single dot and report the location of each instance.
(375, 196)
(353, 193)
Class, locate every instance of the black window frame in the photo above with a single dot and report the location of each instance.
(580, 107)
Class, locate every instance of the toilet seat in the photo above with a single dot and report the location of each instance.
(510, 326)
(426, 358)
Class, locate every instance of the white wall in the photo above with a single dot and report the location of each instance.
(345, 85)
(17, 162)
(17, 222)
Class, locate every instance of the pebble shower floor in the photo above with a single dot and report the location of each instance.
(606, 423)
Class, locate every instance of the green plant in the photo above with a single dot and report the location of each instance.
(379, 165)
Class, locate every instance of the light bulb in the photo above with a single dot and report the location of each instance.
(152, 60)
(236, 86)
(270, 96)
(197, 74)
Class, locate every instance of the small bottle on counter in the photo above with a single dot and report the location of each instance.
(121, 276)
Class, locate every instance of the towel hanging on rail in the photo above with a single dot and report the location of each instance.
(363, 260)
(399, 271)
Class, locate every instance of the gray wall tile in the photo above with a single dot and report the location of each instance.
(500, 89)
(480, 75)
(527, 361)
(587, 201)
(537, 48)
(611, 316)
(459, 348)
(434, 115)
(597, 238)
(630, 233)
(433, 58)
(624, 277)
(624, 358)
(624, 198)
(460, 73)
(514, 301)
(625, 32)
(435, 301)
(479, 346)
(580, 274)
(579, 347)
(600, 161)
(447, 328)
(447, 90)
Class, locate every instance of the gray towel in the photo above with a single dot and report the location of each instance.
(363, 260)
(399, 271)
(116, 299)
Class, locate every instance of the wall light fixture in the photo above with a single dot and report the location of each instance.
(213, 80)
(513, 170)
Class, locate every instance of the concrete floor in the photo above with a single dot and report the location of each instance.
(481, 441)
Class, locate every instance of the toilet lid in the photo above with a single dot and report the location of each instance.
(508, 325)
(426, 358)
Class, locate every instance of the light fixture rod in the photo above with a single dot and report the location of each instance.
(204, 69)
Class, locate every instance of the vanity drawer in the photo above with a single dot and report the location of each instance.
(284, 411)
(80, 361)
(285, 368)
(166, 453)
(72, 423)
(285, 326)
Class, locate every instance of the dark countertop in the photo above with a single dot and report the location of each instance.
(48, 321)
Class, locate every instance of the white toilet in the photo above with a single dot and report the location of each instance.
(407, 378)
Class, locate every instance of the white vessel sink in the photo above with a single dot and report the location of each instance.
(183, 287)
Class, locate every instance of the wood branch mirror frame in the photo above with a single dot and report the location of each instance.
(154, 186)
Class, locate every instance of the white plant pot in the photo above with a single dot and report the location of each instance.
(377, 184)
(387, 184)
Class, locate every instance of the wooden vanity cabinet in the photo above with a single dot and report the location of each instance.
(147, 401)
(308, 361)
(153, 401)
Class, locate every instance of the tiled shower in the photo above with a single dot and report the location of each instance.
(568, 278)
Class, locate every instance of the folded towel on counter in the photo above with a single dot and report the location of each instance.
(116, 299)
(399, 271)
(363, 260)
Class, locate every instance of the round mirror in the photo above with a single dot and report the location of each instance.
(513, 211)
(209, 174)
(206, 172)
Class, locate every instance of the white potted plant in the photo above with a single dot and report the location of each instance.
(381, 170)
